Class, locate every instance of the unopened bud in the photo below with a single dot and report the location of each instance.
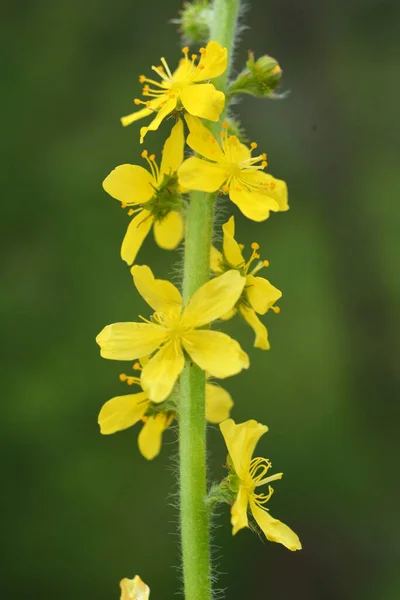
(260, 78)
(195, 22)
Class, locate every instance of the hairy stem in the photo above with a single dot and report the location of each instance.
(195, 526)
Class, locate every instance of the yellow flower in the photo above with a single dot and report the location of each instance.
(258, 295)
(134, 589)
(249, 474)
(173, 330)
(123, 412)
(156, 195)
(232, 169)
(182, 90)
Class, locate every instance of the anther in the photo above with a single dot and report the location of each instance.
(266, 263)
(131, 212)
(225, 188)
(142, 78)
(123, 205)
(136, 366)
(144, 154)
(185, 49)
(194, 56)
(130, 381)
(202, 51)
(137, 101)
(264, 156)
(148, 103)
(123, 377)
(264, 164)
(225, 124)
(253, 145)
(241, 246)
(276, 309)
(152, 156)
(255, 246)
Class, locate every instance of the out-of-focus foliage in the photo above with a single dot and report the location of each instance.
(80, 510)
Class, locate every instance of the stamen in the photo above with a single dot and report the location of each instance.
(185, 50)
(265, 263)
(253, 145)
(225, 124)
(123, 377)
(225, 188)
(255, 246)
(137, 366)
(276, 309)
(142, 78)
(164, 62)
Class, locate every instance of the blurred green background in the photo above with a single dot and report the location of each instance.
(80, 511)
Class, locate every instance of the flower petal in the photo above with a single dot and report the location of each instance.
(213, 299)
(127, 341)
(150, 436)
(202, 141)
(198, 174)
(134, 589)
(130, 184)
(160, 294)
(216, 260)
(239, 511)
(122, 412)
(144, 112)
(166, 108)
(135, 235)
(236, 151)
(275, 188)
(254, 205)
(203, 100)
(215, 352)
(259, 328)
(213, 62)
(273, 529)
(161, 372)
(232, 251)
(261, 293)
(218, 403)
(172, 156)
(241, 439)
(168, 232)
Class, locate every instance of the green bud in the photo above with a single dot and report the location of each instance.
(260, 78)
(195, 22)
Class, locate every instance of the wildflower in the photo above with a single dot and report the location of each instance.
(154, 193)
(134, 589)
(258, 295)
(231, 168)
(172, 329)
(182, 90)
(248, 474)
(123, 412)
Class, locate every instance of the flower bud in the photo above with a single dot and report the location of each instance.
(260, 78)
(195, 22)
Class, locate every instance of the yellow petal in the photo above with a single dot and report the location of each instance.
(273, 529)
(168, 232)
(150, 436)
(254, 205)
(231, 313)
(122, 412)
(216, 260)
(167, 108)
(127, 341)
(241, 439)
(275, 188)
(172, 155)
(213, 299)
(198, 174)
(130, 184)
(134, 589)
(135, 235)
(261, 293)
(215, 352)
(160, 294)
(236, 151)
(218, 403)
(259, 328)
(239, 511)
(213, 62)
(144, 112)
(231, 248)
(203, 100)
(202, 141)
(161, 372)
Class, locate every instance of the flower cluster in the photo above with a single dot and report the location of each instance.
(179, 332)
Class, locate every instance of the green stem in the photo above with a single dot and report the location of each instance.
(195, 526)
